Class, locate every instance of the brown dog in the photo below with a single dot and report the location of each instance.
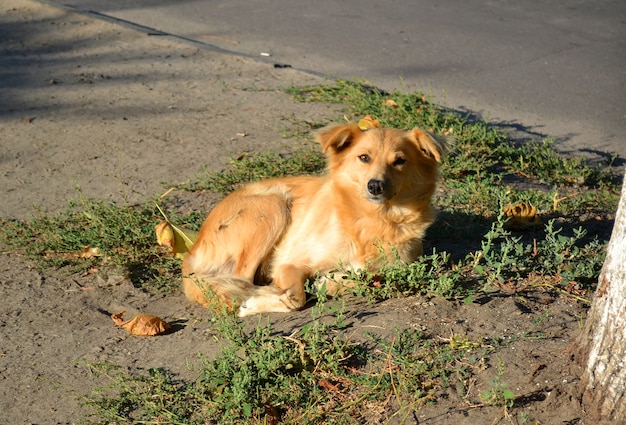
(260, 244)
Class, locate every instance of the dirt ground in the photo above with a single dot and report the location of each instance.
(116, 112)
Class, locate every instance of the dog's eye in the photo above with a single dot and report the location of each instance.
(365, 158)
(398, 162)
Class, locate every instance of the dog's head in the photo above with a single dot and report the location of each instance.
(384, 165)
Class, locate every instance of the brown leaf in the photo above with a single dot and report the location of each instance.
(522, 216)
(326, 384)
(272, 415)
(142, 324)
(90, 252)
(390, 102)
(86, 252)
(448, 131)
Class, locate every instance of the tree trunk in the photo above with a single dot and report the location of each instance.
(602, 344)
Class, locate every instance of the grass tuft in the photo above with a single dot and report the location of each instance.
(93, 236)
(317, 374)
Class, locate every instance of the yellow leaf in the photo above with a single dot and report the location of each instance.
(165, 234)
(368, 122)
(90, 252)
(521, 216)
(390, 102)
(177, 239)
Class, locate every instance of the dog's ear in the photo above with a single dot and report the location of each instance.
(431, 145)
(337, 137)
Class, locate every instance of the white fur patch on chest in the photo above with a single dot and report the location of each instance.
(317, 241)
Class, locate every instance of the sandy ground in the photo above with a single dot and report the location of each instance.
(116, 112)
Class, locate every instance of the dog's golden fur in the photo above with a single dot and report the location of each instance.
(260, 244)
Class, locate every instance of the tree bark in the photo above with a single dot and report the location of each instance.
(601, 347)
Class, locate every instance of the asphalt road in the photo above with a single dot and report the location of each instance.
(539, 68)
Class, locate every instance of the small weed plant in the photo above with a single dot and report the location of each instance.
(498, 394)
(318, 374)
(504, 262)
(315, 375)
(95, 236)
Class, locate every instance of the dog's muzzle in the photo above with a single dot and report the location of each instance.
(376, 187)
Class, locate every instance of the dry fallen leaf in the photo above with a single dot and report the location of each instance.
(86, 253)
(521, 216)
(448, 131)
(326, 384)
(90, 252)
(390, 102)
(165, 235)
(178, 240)
(368, 122)
(142, 324)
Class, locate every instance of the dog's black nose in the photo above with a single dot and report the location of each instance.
(376, 187)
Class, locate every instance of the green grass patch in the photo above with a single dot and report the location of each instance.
(96, 236)
(504, 262)
(479, 146)
(316, 375)
(319, 374)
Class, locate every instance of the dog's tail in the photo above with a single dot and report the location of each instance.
(235, 291)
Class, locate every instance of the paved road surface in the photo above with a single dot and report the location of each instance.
(541, 67)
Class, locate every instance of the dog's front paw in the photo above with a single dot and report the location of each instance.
(293, 301)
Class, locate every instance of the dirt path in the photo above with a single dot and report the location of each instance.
(115, 111)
